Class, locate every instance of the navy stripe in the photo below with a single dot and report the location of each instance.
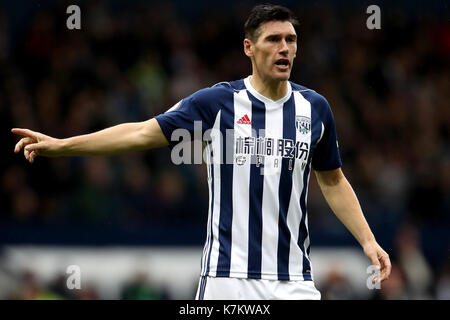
(255, 201)
(204, 287)
(208, 236)
(284, 192)
(226, 189)
(316, 128)
(212, 210)
(201, 294)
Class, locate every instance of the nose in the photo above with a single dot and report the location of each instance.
(283, 46)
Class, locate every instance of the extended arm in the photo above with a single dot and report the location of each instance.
(342, 200)
(118, 139)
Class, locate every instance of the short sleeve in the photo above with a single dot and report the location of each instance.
(194, 113)
(326, 154)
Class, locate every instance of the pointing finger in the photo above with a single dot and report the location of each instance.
(24, 132)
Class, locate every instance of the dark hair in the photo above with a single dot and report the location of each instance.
(265, 13)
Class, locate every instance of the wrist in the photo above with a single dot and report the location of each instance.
(368, 241)
(63, 146)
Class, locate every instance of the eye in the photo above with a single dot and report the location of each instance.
(273, 38)
(290, 39)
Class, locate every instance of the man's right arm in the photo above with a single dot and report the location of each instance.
(126, 137)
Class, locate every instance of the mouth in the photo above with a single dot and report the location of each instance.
(282, 64)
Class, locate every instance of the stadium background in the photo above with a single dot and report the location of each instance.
(138, 215)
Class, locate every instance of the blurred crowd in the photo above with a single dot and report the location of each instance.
(388, 89)
(31, 287)
(412, 277)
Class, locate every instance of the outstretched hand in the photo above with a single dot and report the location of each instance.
(380, 259)
(35, 144)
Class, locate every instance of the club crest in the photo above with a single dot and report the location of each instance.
(303, 124)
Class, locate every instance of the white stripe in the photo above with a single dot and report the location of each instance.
(217, 156)
(175, 106)
(270, 203)
(307, 240)
(241, 185)
(302, 108)
(306, 243)
(321, 132)
(208, 225)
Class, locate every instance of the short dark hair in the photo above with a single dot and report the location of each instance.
(264, 13)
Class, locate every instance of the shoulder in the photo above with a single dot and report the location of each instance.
(297, 87)
(231, 85)
(318, 102)
(309, 94)
(219, 91)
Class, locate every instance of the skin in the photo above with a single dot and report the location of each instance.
(343, 202)
(276, 40)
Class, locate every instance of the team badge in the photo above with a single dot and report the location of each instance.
(303, 124)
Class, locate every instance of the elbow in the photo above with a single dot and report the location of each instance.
(150, 135)
(142, 138)
(336, 178)
(330, 178)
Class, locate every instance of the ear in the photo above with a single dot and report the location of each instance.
(248, 47)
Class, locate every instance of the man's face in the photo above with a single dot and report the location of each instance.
(274, 50)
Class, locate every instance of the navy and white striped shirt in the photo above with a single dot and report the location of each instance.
(257, 222)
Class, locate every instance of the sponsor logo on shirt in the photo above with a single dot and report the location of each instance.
(244, 120)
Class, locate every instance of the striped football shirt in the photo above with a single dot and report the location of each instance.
(259, 155)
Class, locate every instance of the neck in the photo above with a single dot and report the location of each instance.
(272, 89)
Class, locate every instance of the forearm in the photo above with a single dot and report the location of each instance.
(122, 138)
(343, 201)
(118, 139)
